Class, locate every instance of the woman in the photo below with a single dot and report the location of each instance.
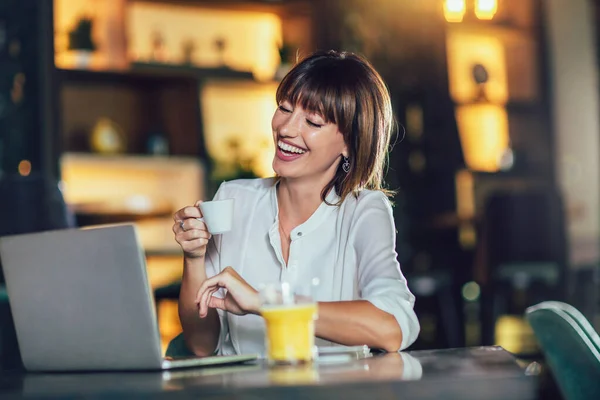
(325, 216)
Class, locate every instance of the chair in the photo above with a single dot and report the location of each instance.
(178, 348)
(571, 348)
(523, 254)
(436, 293)
(579, 318)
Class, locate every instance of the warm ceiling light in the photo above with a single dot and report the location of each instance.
(454, 10)
(486, 9)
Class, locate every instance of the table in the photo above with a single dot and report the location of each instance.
(467, 373)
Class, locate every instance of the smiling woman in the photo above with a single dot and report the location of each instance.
(338, 99)
(326, 216)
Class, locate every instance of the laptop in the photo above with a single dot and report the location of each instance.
(81, 301)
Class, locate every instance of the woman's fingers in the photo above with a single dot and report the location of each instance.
(205, 285)
(215, 281)
(203, 302)
(209, 296)
(217, 302)
(225, 279)
(198, 236)
(191, 245)
(187, 212)
(190, 231)
(189, 224)
(193, 234)
(239, 292)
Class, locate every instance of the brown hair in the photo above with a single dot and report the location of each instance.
(346, 90)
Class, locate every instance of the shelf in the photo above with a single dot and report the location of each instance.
(525, 107)
(504, 32)
(158, 69)
(517, 106)
(152, 72)
(279, 7)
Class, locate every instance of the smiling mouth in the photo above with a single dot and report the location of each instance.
(288, 149)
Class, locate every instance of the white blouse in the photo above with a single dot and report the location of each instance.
(350, 249)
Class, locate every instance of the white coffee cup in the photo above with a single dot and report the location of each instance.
(218, 215)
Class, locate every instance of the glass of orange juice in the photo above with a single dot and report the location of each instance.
(290, 315)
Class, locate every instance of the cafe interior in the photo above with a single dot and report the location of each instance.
(125, 111)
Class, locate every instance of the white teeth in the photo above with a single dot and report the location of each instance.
(289, 148)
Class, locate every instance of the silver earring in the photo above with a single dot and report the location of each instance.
(346, 164)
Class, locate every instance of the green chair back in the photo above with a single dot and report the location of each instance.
(571, 353)
(579, 318)
(177, 348)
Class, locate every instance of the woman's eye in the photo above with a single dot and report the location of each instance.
(313, 124)
(283, 109)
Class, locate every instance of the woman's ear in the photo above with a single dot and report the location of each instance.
(345, 151)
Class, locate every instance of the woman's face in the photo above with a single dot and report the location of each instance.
(305, 145)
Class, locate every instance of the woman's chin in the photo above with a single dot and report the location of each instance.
(280, 170)
(283, 172)
(292, 170)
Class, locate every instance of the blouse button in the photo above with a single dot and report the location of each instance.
(299, 233)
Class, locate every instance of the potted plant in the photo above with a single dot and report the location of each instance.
(81, 42)
(286, 53)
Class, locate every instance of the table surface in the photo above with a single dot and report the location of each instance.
(468, 373)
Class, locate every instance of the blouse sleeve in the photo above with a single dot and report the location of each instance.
(380, 280)
(213, 267)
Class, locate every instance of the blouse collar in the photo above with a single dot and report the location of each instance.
(313, 222)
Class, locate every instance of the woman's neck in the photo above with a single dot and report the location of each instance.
(298, 200)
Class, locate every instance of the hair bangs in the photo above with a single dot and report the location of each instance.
(320, 92)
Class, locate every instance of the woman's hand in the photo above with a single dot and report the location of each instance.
(190, 232)
(240, 297)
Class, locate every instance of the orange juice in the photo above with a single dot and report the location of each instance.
(290, 332)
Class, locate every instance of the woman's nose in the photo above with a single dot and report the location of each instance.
(290, 127)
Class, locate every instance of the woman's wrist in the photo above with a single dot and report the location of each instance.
(193, 263)
(257, 303)
(188, 256)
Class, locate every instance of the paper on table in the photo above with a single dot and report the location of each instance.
(344, 349)
(342, 354)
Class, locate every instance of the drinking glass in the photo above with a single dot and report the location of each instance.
(290, 313)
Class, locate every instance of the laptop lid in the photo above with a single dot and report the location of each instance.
(81, 299)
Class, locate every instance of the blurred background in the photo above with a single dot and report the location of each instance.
(127, 110)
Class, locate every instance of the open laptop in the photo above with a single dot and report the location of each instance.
(81, 300)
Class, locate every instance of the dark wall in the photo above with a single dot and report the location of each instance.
(405, 41)
(27, 117)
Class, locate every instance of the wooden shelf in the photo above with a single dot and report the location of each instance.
(279, 7)
(505, 32)
(149, 71)
(525, 107)
(157, 69)
(145, 99)
(511, 106)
